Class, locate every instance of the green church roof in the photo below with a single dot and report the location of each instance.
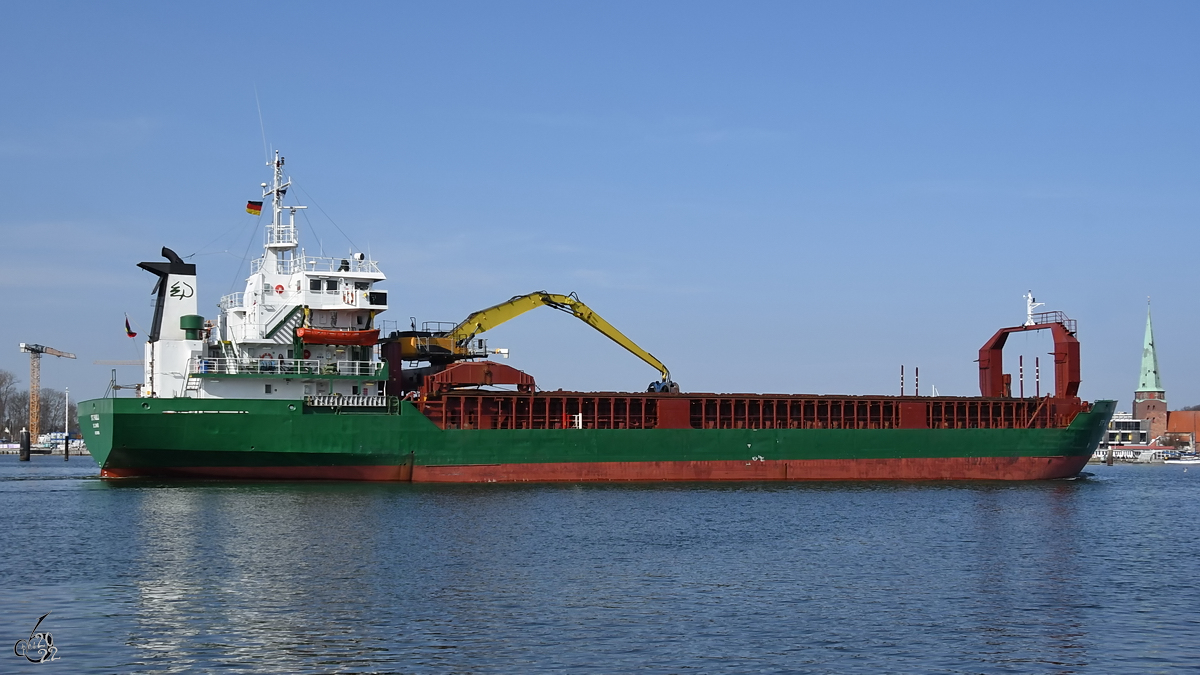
(1149, 380)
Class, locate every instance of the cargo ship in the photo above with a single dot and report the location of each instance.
(294, 378)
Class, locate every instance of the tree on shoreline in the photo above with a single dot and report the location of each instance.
(14, 409)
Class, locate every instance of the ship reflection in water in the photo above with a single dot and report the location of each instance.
(153, 576)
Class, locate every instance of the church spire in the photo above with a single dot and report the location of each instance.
(1149, 380)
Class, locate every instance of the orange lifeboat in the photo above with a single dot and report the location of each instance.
(318, 336)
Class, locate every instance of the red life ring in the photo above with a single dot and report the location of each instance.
(307, 354)
(265, 356)
(279, 289)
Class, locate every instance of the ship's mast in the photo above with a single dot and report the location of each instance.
(281, 239)
(1030, 305)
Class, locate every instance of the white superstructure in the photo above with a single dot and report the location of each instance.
(303, 327)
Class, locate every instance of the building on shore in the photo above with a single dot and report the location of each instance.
(1150, 399)
(1150, 433)
(1182, 427)
(1124, 429)
(1151, 425)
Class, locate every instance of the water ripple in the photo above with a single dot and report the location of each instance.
(1091, 575)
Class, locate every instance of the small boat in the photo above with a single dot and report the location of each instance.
(1184, 459)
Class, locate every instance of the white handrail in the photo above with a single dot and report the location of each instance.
(232, 300)
(340, 401)
(281, 366)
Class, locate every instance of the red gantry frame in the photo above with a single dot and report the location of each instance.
(1066, 356)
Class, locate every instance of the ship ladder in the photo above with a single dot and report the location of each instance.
(192, 383)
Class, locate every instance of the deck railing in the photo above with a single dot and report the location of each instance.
(1056, 317)
(301, 367)
(359, 368)
(230, 301)
(340, 401)
(318, 264)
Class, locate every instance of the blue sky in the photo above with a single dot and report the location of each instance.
(781, 197)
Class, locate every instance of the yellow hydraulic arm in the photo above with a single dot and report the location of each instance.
(487, 319)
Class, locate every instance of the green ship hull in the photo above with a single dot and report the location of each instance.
(295, 380)
(263, 439)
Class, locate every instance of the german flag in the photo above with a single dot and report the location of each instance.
(129, 331)
(254, 208)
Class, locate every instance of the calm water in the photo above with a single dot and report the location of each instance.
(1096, 575)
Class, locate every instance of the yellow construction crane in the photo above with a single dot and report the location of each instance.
(35, 381)
(455, 344)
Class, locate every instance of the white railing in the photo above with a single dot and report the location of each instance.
(277, 366)
(230, 301)
(243, 366)
(474, 348)
(281, 235)
(318, 264)
(334, 264)
(282, 265)
(359, 368)
(339, 401)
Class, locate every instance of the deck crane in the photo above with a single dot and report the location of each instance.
(442, 347)
(35, 380)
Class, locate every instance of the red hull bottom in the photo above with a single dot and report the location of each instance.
(947, 468)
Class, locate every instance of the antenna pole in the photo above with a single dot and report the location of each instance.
(1021, 361)
(901, 380)
(66, 424)
(262, 127)
(281, 242)
(1037, 376)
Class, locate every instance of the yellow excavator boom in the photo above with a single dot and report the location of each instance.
(487, 319)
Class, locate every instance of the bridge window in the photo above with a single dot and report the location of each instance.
(314, 285)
